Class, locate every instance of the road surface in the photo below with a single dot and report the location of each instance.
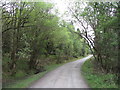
(66, 76)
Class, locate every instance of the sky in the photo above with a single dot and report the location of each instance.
(62, 6)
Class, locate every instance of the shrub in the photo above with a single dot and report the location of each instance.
(19, 74)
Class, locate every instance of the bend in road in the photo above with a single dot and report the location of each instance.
(65, 76)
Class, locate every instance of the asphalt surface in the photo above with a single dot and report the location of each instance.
(65, 76)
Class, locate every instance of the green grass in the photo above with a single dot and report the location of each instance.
(26, 82)
(23, 83)
(96, 79)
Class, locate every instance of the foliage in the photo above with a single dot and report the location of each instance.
(26, 82)
(95, 78)
(103, 20)
(33, 38)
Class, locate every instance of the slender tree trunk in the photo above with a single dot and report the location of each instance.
(118, 65)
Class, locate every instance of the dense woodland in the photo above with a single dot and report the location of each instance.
(104, 19)
(33, 37)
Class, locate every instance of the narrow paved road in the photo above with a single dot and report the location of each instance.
(66, 76)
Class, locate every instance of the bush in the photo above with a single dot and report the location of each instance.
(22, 64)
(20, 74)
(96, 78)
(6, 64)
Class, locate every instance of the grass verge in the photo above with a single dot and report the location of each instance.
(97, 79)
(26, 82)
